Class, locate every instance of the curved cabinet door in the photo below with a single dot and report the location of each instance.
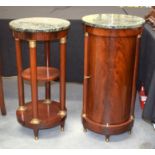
(110, 91)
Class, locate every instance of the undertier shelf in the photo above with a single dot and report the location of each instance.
(43, 73)
(48, 115)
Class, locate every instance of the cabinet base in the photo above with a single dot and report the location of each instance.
(48, 116)
(107, 129)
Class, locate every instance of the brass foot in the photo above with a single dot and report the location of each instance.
(84, 130)
(62, 126)
(36, 138)
(107, 139)
(62, 129)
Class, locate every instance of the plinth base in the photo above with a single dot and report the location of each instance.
(107, 129)
(48, 116)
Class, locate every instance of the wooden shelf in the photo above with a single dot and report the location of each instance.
(47, 115)
(43, 73)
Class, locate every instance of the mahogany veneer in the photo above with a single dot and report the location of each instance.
(110, 72)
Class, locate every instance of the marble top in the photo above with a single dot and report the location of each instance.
(39, 24)
(114, 21)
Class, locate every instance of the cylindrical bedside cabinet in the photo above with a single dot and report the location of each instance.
(110, 69)
(46, 113)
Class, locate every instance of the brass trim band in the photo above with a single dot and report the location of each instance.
(86, 34)
(32, 43)
(63, 40)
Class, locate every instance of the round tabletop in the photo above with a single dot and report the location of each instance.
(113, 21)
(39, 24)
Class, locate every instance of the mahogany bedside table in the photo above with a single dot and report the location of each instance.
(110, 72)
(41, 114)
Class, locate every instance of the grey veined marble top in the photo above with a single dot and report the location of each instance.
(115, 21)
(39, 24)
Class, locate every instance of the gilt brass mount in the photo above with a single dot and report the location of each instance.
(47, 101)
(84, 115)
(62, 113)
(35, 121)
(32, 43)
(21, 108)
(63, 40)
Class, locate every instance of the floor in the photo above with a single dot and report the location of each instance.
(13, 135)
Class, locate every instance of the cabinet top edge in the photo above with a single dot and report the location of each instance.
(113, 21)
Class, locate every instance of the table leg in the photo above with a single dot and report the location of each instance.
(47, 61)
(85, 80)
(135, 76)
(34, 88)
(20, 79)
(63, 79)
(2, 105)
